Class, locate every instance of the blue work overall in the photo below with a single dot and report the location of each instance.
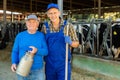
(55, 60)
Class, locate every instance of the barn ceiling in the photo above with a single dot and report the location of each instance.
(40, 5)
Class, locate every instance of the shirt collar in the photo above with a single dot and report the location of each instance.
(61, 22)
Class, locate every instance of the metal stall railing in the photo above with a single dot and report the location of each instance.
(92, 38)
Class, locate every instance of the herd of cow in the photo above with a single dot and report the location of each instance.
(98, 39)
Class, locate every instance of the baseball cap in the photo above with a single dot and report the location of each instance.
(52, 5)
(32, 16)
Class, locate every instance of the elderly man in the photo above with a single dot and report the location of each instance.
(55, 32)
(31, 38)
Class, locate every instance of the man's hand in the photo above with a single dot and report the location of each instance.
(68, 40)
(13, 67)
(33, 50)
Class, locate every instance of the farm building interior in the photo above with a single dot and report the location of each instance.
(97, 25)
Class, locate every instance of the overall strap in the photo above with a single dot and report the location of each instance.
(65, 22)
(47, 27)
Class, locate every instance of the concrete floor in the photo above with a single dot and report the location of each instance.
(84, 68)
(105, 68)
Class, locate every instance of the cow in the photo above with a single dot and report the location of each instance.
(116, 40)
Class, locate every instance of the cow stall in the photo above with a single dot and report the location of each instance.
(98, 37)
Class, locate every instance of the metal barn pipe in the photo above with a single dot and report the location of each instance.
(99, 8)
(4, 17)
(60, 4)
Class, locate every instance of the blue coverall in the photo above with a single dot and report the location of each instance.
(55, 60)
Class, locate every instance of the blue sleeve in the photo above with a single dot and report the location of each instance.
(44, 50)
(15, 52)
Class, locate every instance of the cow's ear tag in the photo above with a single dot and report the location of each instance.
(115, 33)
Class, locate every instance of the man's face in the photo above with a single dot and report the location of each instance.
(32, 24)
(53, 14)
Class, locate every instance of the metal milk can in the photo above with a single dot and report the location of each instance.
(25, 64)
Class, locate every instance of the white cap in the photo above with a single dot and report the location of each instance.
(32, 16)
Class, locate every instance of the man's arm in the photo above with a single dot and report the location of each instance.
(43, 50)
(72, 39)
(75, 44)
